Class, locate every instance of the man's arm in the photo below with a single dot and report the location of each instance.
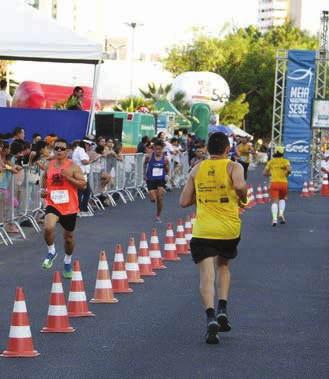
(239, 183)
(266, 171)
(75, 176)
(187, 197)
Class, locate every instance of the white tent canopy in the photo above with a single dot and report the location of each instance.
(26, 35)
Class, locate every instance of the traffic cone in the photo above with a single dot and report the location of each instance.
(103, 289)
(252, 197)
(266, 196)
(193, 218)
(311, 188)
(305, 192)
(132, 267)
(259, 196)
(325, 186)
(188, 231)
(144, 260)
(20, 342)
(170, 253)
(180, 241)
(155, 252)
(57, 319)
(119, 275)
(77, 305)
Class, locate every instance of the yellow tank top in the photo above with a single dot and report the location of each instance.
(244, 151)
(278, 169)
(217, 215)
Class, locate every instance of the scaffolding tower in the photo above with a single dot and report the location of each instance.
(322, 59)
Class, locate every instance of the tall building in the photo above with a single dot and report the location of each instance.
(277, 12)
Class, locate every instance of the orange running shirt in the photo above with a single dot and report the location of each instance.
(61, 194)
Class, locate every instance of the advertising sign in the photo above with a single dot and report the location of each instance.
(321, 114)
(297, 117)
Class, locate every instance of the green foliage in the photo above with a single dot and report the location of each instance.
(246, 59)
(133, 103)
(234, 111)
(156, 93)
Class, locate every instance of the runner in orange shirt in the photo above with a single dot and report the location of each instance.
(60, 182)
(278, 168)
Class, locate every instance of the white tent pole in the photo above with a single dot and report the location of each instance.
(94, 96)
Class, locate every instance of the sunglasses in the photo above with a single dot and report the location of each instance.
(59, 148)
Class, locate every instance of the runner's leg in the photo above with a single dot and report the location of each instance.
(223, 288)
(159, 201)
(49, 236)
(207, 291)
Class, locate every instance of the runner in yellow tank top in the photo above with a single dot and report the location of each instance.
(278, 168)
(218, 188)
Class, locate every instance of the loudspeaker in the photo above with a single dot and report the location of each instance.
(108, 127)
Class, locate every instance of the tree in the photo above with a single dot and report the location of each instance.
(246, 59)
(133, 103)
(155, 93)
(234, 111)
(3, 68)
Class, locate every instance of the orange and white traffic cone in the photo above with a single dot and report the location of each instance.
(20, 342)
(305, 192)
(325, 186)
(188, 231)
(119, 275)
(103, 288)
(252, 197)
(77, 305)
(259, 195)
(132, 266)
(170, 253)
(57, 319)
(266, 196)
(155, 252)
(311, 188)
(180, 241)
(193, 218)
(144, 260)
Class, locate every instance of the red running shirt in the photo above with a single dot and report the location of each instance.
(61, 194)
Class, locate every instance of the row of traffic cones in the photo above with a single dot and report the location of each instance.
(20, 342)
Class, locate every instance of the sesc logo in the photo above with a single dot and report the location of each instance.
(300, 146)
(301, 74)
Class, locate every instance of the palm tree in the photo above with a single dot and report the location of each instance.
(155, 93)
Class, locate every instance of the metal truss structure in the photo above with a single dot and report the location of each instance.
(322, 61)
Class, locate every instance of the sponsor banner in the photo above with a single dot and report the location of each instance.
(297, 116)
(321, 114)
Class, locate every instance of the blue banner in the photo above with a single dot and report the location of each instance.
(297, 115)
(70, 125)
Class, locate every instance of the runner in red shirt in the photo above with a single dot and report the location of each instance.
(60, 182)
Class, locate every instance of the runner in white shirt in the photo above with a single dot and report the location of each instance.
(325, 165)
(81, 159)
(5, 98)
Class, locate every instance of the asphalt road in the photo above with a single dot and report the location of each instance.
(279, 305)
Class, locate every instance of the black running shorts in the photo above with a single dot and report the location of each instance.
(66, 221)
(155, 184)
(202, 248)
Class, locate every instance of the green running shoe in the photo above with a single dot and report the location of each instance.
(67, 272)
(48, 261)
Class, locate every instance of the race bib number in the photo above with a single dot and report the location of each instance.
(60, 196)
(157, 171)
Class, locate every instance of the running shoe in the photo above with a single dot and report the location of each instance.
(48, 261)
(222, 319)
(274, 222)
(158, 220)
(67, 272)
(212, 337)
(282, 220)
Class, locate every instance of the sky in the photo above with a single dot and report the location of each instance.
(167, 22)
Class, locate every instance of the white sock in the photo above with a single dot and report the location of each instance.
(51, 249)
(275, 211)
(67, 259)
(282, 207)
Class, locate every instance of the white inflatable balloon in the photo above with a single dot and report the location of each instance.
(202, 87)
